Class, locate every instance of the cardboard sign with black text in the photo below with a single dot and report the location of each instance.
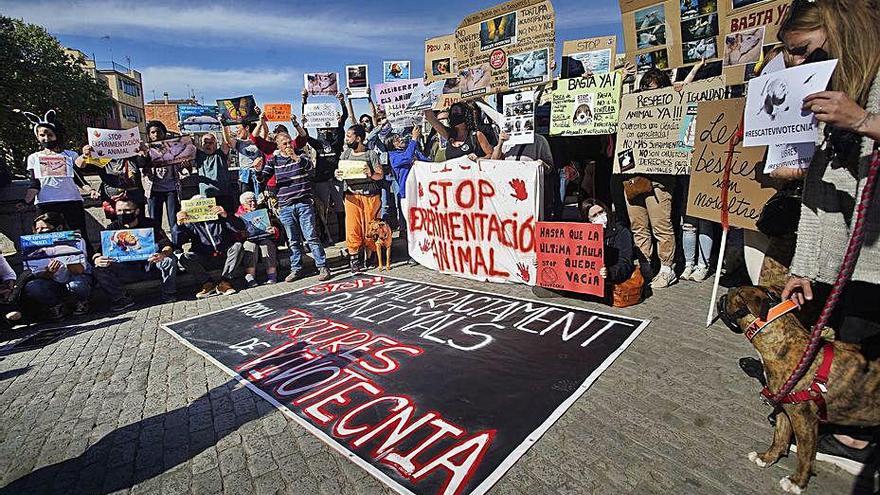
(431, 389)
(570, 256)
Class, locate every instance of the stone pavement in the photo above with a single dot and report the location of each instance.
(116, 405)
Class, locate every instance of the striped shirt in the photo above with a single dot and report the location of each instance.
(294, 178)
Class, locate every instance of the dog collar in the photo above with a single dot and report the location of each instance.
(774, 314)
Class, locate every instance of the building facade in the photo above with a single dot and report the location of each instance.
(124, 86)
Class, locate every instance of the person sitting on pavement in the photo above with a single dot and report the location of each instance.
(293, 174)
(256, 249)
(619, 245)
(111, 274)
(48, 289)
(214, 244)
(10, 293)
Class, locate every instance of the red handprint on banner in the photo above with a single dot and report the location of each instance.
(524, 271)
(421, 191)
(519, 189)
(426, 245)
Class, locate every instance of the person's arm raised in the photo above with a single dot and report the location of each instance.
(431, 117)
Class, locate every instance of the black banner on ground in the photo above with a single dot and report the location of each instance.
(432, 389)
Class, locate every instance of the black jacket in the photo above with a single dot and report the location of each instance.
(208, 238)
(618, 254)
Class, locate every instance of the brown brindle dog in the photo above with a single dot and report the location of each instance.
(379, 233)
(853, 384)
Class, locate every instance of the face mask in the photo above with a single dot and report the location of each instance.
(456, 119)
(49, 144)
(353, 144)
(126, 218)
(602, 220)
(817, 55)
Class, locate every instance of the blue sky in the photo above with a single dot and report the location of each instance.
(224, 49)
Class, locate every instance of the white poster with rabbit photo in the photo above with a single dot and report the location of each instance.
(774, 113)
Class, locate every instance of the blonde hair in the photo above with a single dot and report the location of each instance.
(852, 28)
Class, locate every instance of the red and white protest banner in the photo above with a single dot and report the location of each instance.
(475, 219)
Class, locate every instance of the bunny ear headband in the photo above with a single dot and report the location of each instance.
(48, 119)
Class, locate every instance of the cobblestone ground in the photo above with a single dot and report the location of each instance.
(116, 405)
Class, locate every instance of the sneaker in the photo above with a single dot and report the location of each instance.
(253, 283)
(122, 304)
(664, 279)
(13, 315)
(830, 450)
(81, 308)
(354, 264)
(686, 273)
(270, 281)
(412, 262)
(208, 290)
(700, 273)
(324, 274)
(224, 288)
(294, 276)
(55, 313)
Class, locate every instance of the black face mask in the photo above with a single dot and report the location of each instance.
(126, 218)
(456, 119)
(49, 144)
(817, 55)
(353, 144)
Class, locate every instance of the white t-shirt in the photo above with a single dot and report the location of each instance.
(6, 272)
(55, 176)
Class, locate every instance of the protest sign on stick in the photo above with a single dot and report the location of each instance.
(111, 143)
(321, 83)
(393, 97)
(649, 126)
(586, 105)
(440, 58)
(199, 210)
(178, 151)
(749, 188)
(241, 109)
(357, 80)
(396, 70)
(570, 256)
(505, 47)
(519, 117)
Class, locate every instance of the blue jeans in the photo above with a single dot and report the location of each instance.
(389, 206)
(690, 227)
(168, 200)
(299, 224)
(50, 293)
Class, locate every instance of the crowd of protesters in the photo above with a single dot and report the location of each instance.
(294, 175)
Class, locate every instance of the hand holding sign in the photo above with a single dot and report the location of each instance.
(837, 109)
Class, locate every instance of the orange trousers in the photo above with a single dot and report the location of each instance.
(359, 212)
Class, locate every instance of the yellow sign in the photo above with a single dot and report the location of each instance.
(199, 210)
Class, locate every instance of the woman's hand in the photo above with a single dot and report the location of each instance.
(603, 272)
(53, 267)
(103, 261)
(798, 289)
(837, 109)
(156, 258)
(87, 150)
(787, 173)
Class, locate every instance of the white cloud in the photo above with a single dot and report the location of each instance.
(211, 84)
(207, 24)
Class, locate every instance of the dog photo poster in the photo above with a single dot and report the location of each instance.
(128, 244)
(773, 107)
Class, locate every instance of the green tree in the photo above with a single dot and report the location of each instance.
(37, 75)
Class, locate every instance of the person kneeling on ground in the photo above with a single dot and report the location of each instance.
(402, 156)
(49, 288)
(111, 274)
(619, 249)
(214, 243)
(259, 248)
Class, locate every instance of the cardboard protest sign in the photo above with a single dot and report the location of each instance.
(111, 143)
(475, 220)
(586, 105)
(570, 256)
(790, 155)
(505, 47)
(425, 96)
(745, 16)
(357, 80)
(257, 224)
(450, 95)
(321, 83)
(277, 112)
(175, 151)
(591, 55)
(431, 389)
(519, 117)
(53, 165)
(320, 115)
(350, 170)
(396, 70)
(198, 118)
(199, 210)
(749, 187)
(649, 125)
(238, 110)
(128, 245)
(440, 60)
(38, 250)
(393, 97)
(773, 106)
